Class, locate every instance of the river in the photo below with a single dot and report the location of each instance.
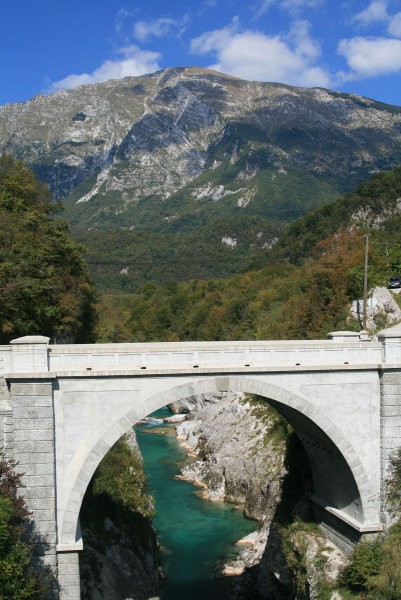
(194, 534)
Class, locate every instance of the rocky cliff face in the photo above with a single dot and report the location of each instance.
(240, 458)
(382, 309)
(244, 455)
(120, 559)
(251, 477)
(188, 140)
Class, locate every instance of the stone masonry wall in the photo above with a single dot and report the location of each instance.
(34, 450)
(390, 428)
(68, 575)
(6, 421)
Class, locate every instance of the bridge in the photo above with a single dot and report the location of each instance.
(63, 406)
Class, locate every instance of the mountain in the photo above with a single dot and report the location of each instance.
(191, 172)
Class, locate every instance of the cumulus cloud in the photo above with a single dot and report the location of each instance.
(132, 62)
(256, 56)
(161, 27)
(376, 12)
(370, 57)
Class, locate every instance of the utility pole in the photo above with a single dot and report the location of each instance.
(365, 281)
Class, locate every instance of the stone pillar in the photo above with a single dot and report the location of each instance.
(34, 450)
(390, 428)
(68, 575)
(6, 419)
(390, 406)
(391, 340)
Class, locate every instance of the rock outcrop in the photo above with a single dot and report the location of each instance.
(244, 451)
(240, 446)
(381, 311)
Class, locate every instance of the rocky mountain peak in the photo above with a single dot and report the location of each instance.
(163, 138)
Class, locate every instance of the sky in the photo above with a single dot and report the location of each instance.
(351, 46)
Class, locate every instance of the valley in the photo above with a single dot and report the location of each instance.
(188, 173)
(211, 208)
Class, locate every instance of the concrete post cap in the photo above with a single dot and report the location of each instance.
(390, 332)
(333, 335)
(31, 339)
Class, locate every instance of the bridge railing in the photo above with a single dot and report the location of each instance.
(33, 354)
(213, 355)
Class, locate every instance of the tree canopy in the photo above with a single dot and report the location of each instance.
(45, 287)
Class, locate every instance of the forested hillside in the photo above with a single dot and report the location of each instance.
(302, 288)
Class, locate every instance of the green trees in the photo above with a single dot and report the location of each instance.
(120, 476)
(44, 284)
(374, 569)
(20, 578)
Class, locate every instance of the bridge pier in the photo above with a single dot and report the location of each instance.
(34, 451)
(390, 409)
(390, 429)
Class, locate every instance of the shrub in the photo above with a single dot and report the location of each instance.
(365, 562)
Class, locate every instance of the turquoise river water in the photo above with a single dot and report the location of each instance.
(194, 534)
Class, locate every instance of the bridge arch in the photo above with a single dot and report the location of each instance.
(340, 480)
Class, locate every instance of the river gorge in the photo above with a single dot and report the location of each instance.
(226, 469)
(194, 534)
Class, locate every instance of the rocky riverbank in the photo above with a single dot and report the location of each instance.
(240, 445)
(246, 454)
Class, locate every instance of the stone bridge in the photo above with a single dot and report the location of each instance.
(63, 406)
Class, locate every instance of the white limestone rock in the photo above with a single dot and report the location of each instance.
(382, 309)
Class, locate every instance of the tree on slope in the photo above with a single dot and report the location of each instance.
(44, 283)
(21, 575)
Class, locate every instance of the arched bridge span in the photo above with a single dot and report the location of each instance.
(65, 406)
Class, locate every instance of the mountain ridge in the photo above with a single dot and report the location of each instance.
(189, 163)
(168, 123)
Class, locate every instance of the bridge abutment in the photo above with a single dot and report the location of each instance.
(34, 451)
(390, 430)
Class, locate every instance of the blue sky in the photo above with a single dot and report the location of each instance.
(351, 45)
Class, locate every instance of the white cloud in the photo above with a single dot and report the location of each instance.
(216, 40)
(256, 56)
(157, 28)
(133, 62)
(370, 57)
(293, 6)
(376, 12)
(394, 27)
